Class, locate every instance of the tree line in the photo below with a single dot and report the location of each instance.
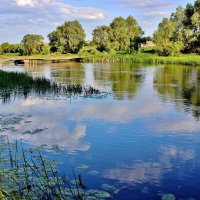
(178, 34)
(121, 35)
(181, 32)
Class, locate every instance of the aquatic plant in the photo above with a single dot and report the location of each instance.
(15, 84)
(26, 174)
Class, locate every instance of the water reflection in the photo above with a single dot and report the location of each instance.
(128, 141)
(37, 130)
(124, 78)
(140, 172)
(71, 73)
(182, 85)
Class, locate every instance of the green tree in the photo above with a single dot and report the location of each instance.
(121, 35)
(33, 44)
(67, 38)
(102, 38)
(162, 37)
(6, 47)
(182, 32)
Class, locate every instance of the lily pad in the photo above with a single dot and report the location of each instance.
(82, 167)
(34, 131)
(94, 172)
(26, 122)
(108, 187)
(98, 194)
(168, 197)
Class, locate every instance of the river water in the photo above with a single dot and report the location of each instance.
(142, 138)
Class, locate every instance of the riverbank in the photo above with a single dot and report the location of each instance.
(183, 59)
(190, 59)
(39, 58)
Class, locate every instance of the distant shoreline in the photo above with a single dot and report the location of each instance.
(183, 59)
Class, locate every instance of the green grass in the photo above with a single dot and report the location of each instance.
(190, 59)
(144, 57)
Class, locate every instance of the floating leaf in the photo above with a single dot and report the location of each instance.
(108, 187)
(168, 197)
(99, 193)
(82, 167)
(26, 122)
(93, 172)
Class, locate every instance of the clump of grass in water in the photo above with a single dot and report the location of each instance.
(26, 174)
(15, 84)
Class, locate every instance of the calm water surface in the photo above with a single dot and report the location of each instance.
(143, 138)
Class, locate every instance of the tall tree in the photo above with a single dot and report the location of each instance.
(162, 37)
(33, 44)
(120, 35)
(67, 38)
(102, 37)
(184, 36)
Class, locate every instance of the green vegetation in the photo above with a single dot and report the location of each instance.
(26, 174)
(184, 59)
(175, 39)
(67, 38)
(14, 84)
(180, 33)
(33, 44)
(120, 35)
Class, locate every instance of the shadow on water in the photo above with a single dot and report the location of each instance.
(22, 85)
(180, 84)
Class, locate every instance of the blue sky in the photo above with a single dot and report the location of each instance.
(20, 17)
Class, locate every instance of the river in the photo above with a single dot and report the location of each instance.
(142, 138)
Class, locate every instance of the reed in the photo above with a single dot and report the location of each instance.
(26, 174)
(15, 84)
(184, 59)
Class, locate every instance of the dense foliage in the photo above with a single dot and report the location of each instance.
(181, 32)
(33, 44)
(120, 35)
(67, 38)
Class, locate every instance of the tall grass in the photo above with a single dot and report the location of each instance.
(14, 84)
(25, 174)
(190, 59)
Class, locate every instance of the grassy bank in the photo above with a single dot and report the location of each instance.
(9, 57)
(184, 59)
(190, 59)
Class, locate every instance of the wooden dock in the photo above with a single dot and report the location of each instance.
(36, 60)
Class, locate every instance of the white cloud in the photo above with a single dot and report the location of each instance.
(25, 2)
(59, 9)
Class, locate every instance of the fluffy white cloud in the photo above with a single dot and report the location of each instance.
(46, 13)
(41, 17)
(61, 9)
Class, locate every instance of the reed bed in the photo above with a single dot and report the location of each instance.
(13, 84)
(184, 59)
